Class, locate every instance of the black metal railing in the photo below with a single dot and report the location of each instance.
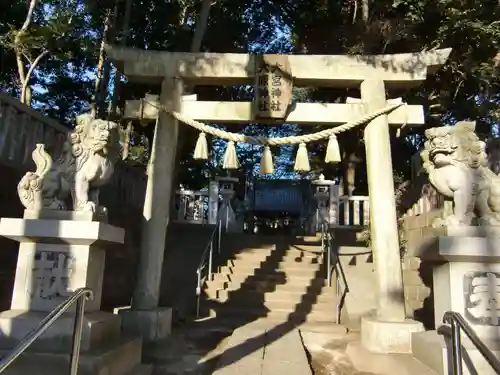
(212, 248)
(458, 324)
(79, 296)
(333, 264)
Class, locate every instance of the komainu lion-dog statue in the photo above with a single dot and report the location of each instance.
(85, 164)
(458, 167)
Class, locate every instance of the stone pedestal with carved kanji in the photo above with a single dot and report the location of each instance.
(466, 279)
(60, 252)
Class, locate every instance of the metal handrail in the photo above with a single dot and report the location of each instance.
(340, 271)
(458, 323)
(207, 258)
(79, 296)
(328, 248)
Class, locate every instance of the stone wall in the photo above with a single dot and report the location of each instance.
(421, 205)
(21, 127)
(415, 289)
(419, 228)
(417, 274)
(9, 207)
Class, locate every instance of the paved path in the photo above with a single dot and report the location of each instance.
(259, 349)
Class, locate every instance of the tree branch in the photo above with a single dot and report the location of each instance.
(126, 141)
(366, 10)
(354, 16)
(27, 57)
(29, 16)
(98, 85)
(201, 26)
(28, 75)
(18, 42)
(20, 68)
(118, 75)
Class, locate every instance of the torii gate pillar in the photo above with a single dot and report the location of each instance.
(146, 317)
(388, 331)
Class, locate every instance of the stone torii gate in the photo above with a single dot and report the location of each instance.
(388, 330)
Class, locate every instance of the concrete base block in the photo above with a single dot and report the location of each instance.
(57, 257)
(121, 358)
(388, 337)
(69, 232)
(45, 214)
(434, 351)
(98, 327)
(367, 362)
(152, 325)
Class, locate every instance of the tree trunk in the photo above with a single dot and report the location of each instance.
(102, 77)
(26, 89)
(118, 76)
(201, 26)
(365, 10)
(113, 110)
(26, 92)
(350, 178)
(23, 77)
(126, 141)
(196, 42)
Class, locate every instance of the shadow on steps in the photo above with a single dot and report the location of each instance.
(278, 281)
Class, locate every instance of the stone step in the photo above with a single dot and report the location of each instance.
(308, 238)
(288, 257)
(323, 295)
(306, 306)
(307, 247)
(288, 262)
(354, 251)
(244, 246)
(263, 239)
(120, 358)
(263, 286)
(245, 313)
(266, 283)
(271, 269)
(230, 323)
(303, 303)
(293, 250)
(275, 278)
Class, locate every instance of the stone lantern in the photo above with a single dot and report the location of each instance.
(226, 216)
(323, 195)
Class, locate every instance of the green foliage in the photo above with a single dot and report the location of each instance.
(72, 30)
(55, 28)
(10, 13)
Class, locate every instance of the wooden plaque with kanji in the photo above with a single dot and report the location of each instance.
(273, 86)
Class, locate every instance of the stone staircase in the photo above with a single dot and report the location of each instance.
(268, 297)
(273, 277)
